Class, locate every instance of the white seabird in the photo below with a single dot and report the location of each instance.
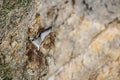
(41, 37)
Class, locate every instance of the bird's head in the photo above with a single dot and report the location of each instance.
(31, 39)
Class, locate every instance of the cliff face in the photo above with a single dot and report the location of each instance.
(84, 43)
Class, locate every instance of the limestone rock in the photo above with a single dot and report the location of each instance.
(84, 43)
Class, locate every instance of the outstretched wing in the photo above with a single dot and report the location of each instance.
(45, 33)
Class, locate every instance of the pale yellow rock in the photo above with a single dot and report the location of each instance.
(108, 35)
(97, 57)
(100, 76)
(85, 24)
(114, 54)
(96, 46)
(87, 46)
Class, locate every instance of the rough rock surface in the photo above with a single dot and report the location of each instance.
(84, 43)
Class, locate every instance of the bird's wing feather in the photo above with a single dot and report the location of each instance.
(44, 34)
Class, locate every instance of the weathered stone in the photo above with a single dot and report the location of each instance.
(84, 43)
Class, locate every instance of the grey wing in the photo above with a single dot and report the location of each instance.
(44, 34)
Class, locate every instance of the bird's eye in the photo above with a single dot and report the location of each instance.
(33, 39)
